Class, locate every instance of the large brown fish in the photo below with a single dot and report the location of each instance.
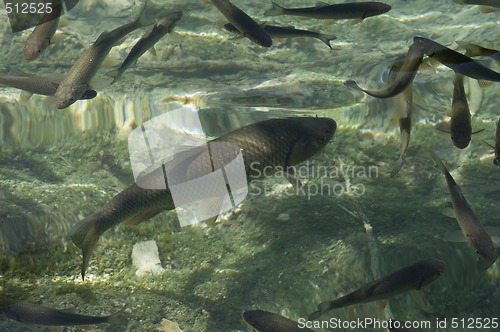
(473, 231)
(264, 321)
(456, 61)
(29, 313)
(275, 143)
(404, 78)
(412, 277)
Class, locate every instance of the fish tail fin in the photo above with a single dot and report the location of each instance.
(327, 39)
(397, 166)
(275, 10)
(84, 235)
(114, 74)
(439, 163)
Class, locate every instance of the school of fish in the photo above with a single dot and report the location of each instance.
(275, 143)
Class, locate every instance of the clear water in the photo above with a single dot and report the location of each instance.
(279, 252)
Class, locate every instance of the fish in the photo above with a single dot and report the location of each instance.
(40, 37)
(460, 123)
(77, 80)
(473, 50)
(405, 75)
(458, 62)
(288, 32)
(496, 148)
(30, 313)
(474, 232)
(37, 85)
(244, 23)
(265, 321)
(274, 143)
(412, 277)
(322, 10)
(160, 29)
(403, 103)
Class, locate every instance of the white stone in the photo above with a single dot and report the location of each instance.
(146, 259)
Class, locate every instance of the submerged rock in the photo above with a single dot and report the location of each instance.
(146, 259)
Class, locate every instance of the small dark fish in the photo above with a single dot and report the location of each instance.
(275, 143)
(460, 123)
(77, 80)
(265, 321)
(160, 29)
(355, 10)
(29, 313)
(473, 231)
(412, 277)
(476, 50)
(244, 23)
(288, 32)
(405, 76)
(40, 37)
(37, 85)
(458, 62)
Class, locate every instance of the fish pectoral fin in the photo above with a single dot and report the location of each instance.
(449, 212)
(487, 9)
(382, 304)
(419, 297)
(25, 96)
(484, 84)
(62, 23)
(97, 84)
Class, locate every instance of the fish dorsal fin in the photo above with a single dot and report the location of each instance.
(18, 72)
(320, 4)
(102, 37)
